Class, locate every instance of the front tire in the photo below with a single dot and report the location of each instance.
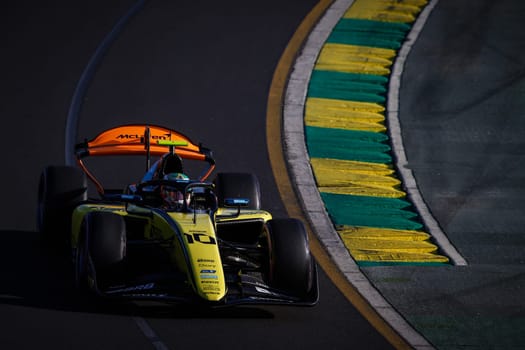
(290, 264)
(101, 251)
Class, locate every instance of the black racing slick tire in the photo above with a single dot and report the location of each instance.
(101, 250)
(291, 266)
(238, 185)
(61, 188)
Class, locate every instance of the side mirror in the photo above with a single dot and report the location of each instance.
(235, 203)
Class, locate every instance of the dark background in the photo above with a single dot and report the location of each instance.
(201, 67)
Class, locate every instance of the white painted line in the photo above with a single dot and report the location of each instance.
(150, 334)
(394, 130)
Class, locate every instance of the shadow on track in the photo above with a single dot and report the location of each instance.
(36, 276)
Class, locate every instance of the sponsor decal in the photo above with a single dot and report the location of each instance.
(210, 281)
(212, 277)
(210, 288)
(209, 266)
(208, 271)
(137, 136)
(214, 293)
(206, 260)
(133, 288)
(146, 295)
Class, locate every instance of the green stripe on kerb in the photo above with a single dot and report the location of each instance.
(390, 29)
(348, 86)
(367, 79)
(388, 35)
(392, 213)
(362, 146)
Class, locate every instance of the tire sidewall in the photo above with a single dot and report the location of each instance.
(290, 265)
(101, 248)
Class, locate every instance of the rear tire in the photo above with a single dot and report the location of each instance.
(61, 188)
(290, 266)
(238, 185)
(101, 251)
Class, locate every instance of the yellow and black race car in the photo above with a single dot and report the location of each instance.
(170, 237)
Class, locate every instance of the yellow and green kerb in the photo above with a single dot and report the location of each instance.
(347, 140)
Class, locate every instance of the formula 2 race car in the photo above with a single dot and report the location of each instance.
(170, 237)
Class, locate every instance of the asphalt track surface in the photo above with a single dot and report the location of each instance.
(461, 115)
(205, 68)
(202, 67)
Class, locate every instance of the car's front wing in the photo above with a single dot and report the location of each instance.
(242, 289)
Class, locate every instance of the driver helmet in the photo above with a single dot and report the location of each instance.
(172, 196)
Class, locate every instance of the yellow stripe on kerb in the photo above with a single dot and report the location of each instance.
(341, 114)
(396, 257)
(382, 246)
(353, 120)
(355, 59)
(386, 10)
(325, 112)
(382, 233)
(342, 107)
(389, 245)
(356, 178)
